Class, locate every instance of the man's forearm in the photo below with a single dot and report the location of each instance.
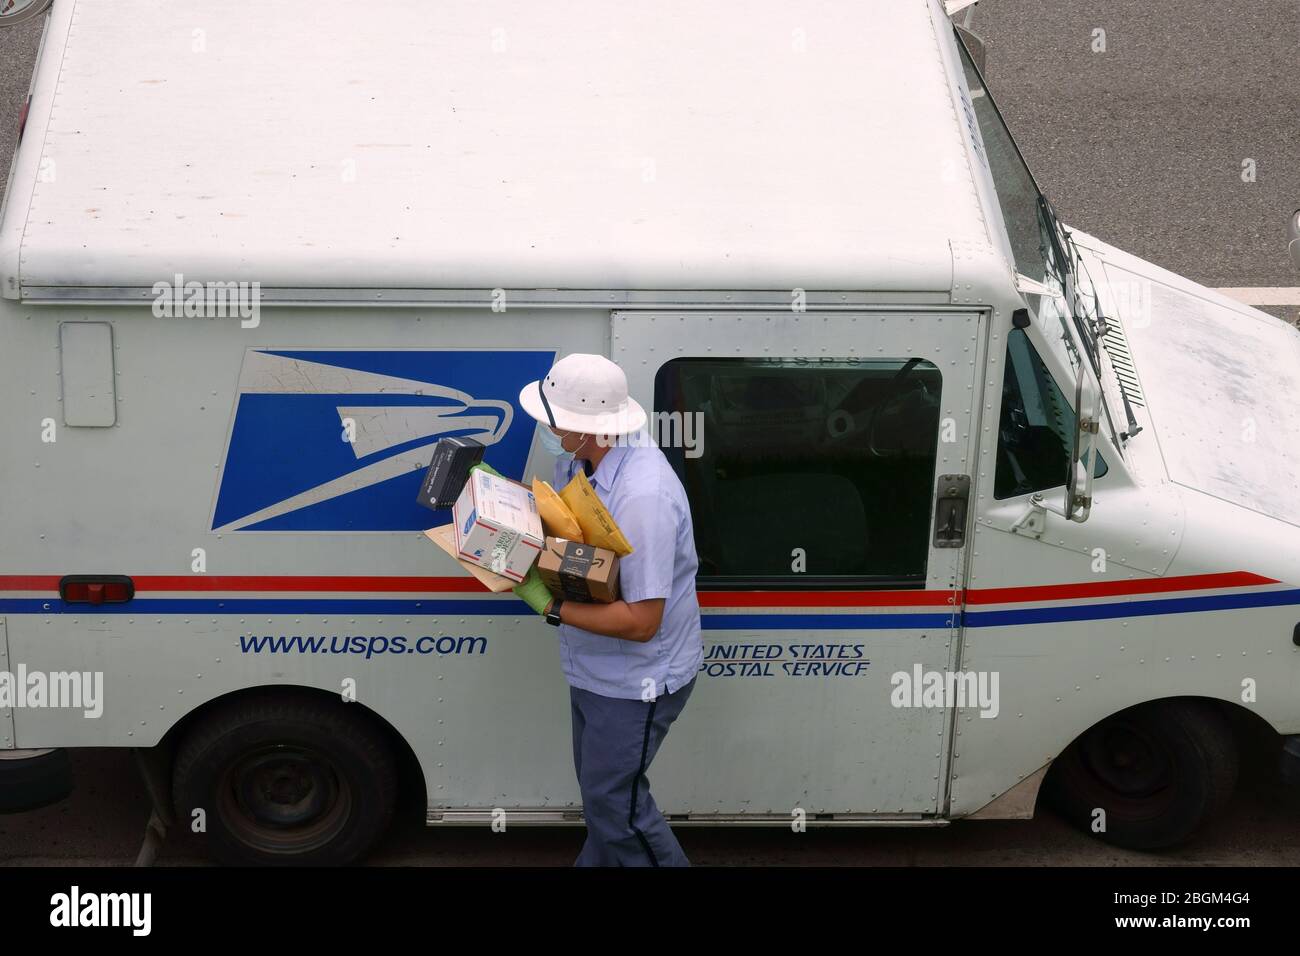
(619, 619)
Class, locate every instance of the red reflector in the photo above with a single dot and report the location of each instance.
(88, 589)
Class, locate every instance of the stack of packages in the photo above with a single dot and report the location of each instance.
(500, 527)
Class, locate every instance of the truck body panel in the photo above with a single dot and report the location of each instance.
(816, 254)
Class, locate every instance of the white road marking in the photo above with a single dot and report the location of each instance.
(1264, 295)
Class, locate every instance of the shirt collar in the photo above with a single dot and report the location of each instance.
(607, 471)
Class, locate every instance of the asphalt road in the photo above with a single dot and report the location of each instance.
(103, 823)
(17, 58)
(1142, 145)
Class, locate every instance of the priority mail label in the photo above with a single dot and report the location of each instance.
(497, 525)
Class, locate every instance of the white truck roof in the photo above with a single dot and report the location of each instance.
(477, 144)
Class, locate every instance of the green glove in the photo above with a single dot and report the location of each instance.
(484, 466)
(533, 591)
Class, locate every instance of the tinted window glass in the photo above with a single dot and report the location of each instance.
(810, 473)
(1036, 428)
(1018, 195)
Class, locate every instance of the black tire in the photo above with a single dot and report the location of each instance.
(29, 783)
(1159, 771)
(287, 779)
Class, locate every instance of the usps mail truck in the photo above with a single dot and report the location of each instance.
(986, 509)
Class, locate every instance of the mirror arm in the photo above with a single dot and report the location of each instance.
(1033, 523)
(1041, 503)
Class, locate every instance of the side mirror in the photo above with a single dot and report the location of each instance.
(13, 12)
(1293, 238)
(974, 46)
(1083, 465)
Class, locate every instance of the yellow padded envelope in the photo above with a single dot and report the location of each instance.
(594, 519)
(557, 520)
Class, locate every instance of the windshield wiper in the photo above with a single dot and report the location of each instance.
(1102, 326)
(1091, 328)
(1065, 253)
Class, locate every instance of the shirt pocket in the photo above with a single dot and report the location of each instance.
(597, 657)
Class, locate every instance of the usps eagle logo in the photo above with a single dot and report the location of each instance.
(338, 440)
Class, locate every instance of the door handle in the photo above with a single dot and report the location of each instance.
(952, 498)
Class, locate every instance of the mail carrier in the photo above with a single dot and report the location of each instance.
(986, 509)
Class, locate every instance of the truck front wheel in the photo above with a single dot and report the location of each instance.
(1148, 777)
(286, 779)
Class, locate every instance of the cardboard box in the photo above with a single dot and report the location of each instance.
(497, 525)
(448, 471)
(444, 537)
(579, 572)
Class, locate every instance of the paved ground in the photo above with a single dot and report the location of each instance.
(17, 57)
(103, 822)
(1142, 145)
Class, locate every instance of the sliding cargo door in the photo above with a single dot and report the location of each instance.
(815, 449)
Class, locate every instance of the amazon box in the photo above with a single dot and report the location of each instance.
(453, 457)
(579, 572)
(497, 526)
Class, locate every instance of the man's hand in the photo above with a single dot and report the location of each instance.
(533, 591)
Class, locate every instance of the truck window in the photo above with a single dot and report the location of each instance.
(810, 473)
(1017, 192)
(1030, 228)
(1036, 428)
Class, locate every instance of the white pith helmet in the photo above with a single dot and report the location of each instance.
(586, 394)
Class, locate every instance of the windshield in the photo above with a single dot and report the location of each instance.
(1050, 273)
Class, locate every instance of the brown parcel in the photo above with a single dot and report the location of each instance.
(579, 572)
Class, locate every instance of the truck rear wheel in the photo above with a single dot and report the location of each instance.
(1158, 772)
(287, 780)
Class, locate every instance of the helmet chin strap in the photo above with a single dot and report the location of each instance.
(550, 415)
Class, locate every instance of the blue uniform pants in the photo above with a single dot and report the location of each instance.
(614, 741)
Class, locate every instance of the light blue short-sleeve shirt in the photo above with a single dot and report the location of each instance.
(642, 492)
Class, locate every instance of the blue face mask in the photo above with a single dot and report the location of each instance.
(554, 444)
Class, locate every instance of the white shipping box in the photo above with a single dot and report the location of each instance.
(497, 525)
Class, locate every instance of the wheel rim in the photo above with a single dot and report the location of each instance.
(1130, 762)
(284, 799)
